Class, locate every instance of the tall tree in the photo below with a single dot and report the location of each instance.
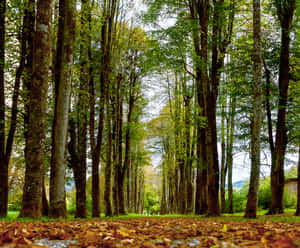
(200, 14)
(298, 188)
(110, 15)
(107, 28)
(256, 114)
(64, 60)
(285, 13)
(229, 146)
(78, 151)
(32, 196)
(223, 162)
(8, 145)
(3, 165)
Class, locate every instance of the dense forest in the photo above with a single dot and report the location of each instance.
(93, 92)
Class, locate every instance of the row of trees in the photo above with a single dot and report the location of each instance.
(77, 95)
(221, 76)
(78, 79)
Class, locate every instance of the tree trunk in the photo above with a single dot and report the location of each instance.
(188, 160)
(115, 187)
(285, 12)
(298, 186)
(121, 177)
(96, 147)
(268, 109)
(135, 184)
(45, 205)
(229, 158)
(3, 163)
(128, 188)
(201, 181)
(163, 200)
(37, 125)
(5, 151)
(83, 102)
(223, 163)
(107, 188)
(127, 140)
(64, 60)
(256, 115)
(28, 69)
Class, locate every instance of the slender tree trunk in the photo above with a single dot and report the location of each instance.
(32, 192)
(83, 102)
(223, 163)
(3, 163)
(64, 60)
(28, 71)
(298, 186)
(188, 160)
(201, 181)
(229, 158)
(135, 184)
(268, 109)
(163, 201)
(285, 12)
(115, 137)
(120, 160)
(256, 115)
(96, 146)
(127, 139)
(107, 188)
(5, 151)
(95, 163)
(128, 187)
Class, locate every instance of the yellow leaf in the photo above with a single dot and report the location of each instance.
(264, 241)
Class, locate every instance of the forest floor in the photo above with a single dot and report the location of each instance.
(146, 232)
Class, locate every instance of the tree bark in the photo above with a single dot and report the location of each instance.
(32, 192)
(163, 200)
(229, 158)
(6, 149)
(121, 177)
(64, 60)
(256, 115)
(127, 138)
(298, 186)
(201, 181)
(188, 149)
(223, 162)
(3, 163)
(268, 109)
(285, 12)
(83, 101)
(107, 187)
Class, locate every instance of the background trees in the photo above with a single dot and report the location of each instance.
(95, 104)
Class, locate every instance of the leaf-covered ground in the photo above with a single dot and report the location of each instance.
(152, 232)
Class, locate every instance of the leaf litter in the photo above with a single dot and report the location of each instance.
(150, 232)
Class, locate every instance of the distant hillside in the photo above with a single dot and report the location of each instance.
(237, 185)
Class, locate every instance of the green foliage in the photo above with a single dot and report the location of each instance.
(151, 203)
(264, 196)
(239, 200)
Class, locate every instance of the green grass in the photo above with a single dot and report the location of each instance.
(12, 214)
(287, 217)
